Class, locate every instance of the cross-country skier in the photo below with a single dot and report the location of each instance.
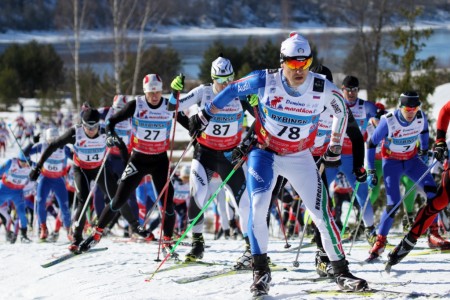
(152, 123)
(14, 173)
(290, 101)
(51, 179)
(399, 131)
(426, 216)
(89, 142)
(213, 152)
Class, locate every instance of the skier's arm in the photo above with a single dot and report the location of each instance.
(443, 122)
(67, 138)
(424, 135)
(5, 166)
(356, 137)
(125, 113)
(379, 134)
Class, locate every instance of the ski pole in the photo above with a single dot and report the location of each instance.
(194, 221)
(283, 229)
(350, 208)
(359, 222)
(407, 193)
(296, 263)
(147, 216)
(91, 192)
(18, 144)
(166, 193)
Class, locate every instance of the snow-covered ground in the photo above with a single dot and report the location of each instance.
(116, 273)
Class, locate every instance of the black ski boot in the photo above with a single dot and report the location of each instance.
(323, 265)
(198, 248)
(401, 250)
(346, 280)
(23, 236)
(92, 240)
(261, 276)
(245, 261)
(138, 229)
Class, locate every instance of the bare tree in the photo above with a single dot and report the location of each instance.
(369, 18)
(122, 12)
(71, 14)
(148, 13)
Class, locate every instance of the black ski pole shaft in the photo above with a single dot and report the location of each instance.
(147, 216)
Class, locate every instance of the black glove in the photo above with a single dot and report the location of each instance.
(34, 174)
(36, 138)
(112, 140)
(198, 122)
(238, 153)
(441, 151)
(372, 178)
(361, 174)
(332, 158)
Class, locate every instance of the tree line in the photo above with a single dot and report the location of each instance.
(35, 70)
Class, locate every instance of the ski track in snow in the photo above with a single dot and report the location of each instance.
(114, 274)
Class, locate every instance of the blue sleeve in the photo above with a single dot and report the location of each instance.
(246, 86)
(378, 135)
(36, 148)
(424, 135)
(371, 109)
(68, 152)
(5, 167)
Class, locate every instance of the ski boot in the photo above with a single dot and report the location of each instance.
(53, 237)
(167, 247)
(23, 236)
(138, 229)
(245, 261)
(378, 248)
(346, 280)
(358, 234)
(407, 222)
(75, 245)
(43, 232)
(323, 265)
(290, 229)
(401, 250)
(435, 240)
(11, 237)
(371, 235)
(234, 228)
(198, 248)
(261, 276)
(227, 234)
(92, 240)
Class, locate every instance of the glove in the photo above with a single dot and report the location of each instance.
(36, 138)
(198, 122)
(372, 178)
(239, 152)
(332, 158)
(35, 172)
(177, 83)
(441, 151)
(112, 140)
(423, 155)
(361, 174)
(253, 99)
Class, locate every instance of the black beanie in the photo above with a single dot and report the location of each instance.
(350, 81)
(91, 116)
